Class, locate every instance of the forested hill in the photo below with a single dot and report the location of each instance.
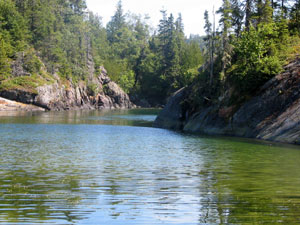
(43, 38)
(61, 41)
(249, 83)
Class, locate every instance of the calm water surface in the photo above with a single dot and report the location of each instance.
(111, 167)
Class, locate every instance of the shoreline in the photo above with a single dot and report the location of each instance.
(7, 105)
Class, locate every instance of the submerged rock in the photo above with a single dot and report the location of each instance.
(273, 114)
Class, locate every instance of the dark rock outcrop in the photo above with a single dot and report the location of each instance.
(173, 116)
(66, 95)
(19, 95)
(273, 114)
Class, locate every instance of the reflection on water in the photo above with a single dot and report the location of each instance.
(67, 168)
(135, 117)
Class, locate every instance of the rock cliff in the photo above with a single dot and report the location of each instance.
(97, 93)
(272, 114)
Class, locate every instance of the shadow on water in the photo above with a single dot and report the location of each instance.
(76, 168)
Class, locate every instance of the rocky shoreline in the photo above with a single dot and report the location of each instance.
(273, 114)
(99, 93)
(8, 105)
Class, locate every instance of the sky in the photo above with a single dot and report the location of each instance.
(192, 11)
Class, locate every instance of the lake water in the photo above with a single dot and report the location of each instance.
(112, 167)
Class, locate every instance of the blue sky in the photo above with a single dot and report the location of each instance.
(192, 10)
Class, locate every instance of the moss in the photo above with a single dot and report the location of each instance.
(92, 89)
(48, 77)
(28, 83)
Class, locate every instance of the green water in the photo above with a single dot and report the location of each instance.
(111, 167)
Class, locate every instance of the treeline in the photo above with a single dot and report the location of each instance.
(249, 45)
(73, 43)
(256, 38)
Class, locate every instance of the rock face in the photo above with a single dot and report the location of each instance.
(173, 116)
(273, 114)
(64, 96)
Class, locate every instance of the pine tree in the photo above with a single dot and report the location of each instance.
(171, 54)
(115, 25)
(248, 12)
(264, 12)
(295, 16)
(78, 6)
(169, 51)
(163, 28)
(209, 44)
(226, 22)
(237, 16)
(180, 40)
(259, 11)
(267, 13)
(179, 25)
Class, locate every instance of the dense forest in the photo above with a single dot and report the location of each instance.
(254, 39)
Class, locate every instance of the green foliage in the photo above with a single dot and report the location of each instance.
(295, 17)
(12, 26)
(245, 57)
(5, 69)
(12, 36)
(190, 61)
(92, 89)
(116, 25)
(62, 37)
(126, 80)
(28, 83)
(256, 58)
(120, 73)
(32, 63)
(167, 63)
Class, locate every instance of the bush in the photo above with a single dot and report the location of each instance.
(32, 63)
(256, 58)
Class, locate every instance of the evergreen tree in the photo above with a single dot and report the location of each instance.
(12, 26)
(267, 12)
(264, 12)
(172, 57)
(163, 28)
(226, 22)
(237, 16)
(169, 52)
(179, 32)
(259, 11)
(209, 44)
(116, 24)
(295, 16)
(248, 13)
(179, 25)
(78, 6)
